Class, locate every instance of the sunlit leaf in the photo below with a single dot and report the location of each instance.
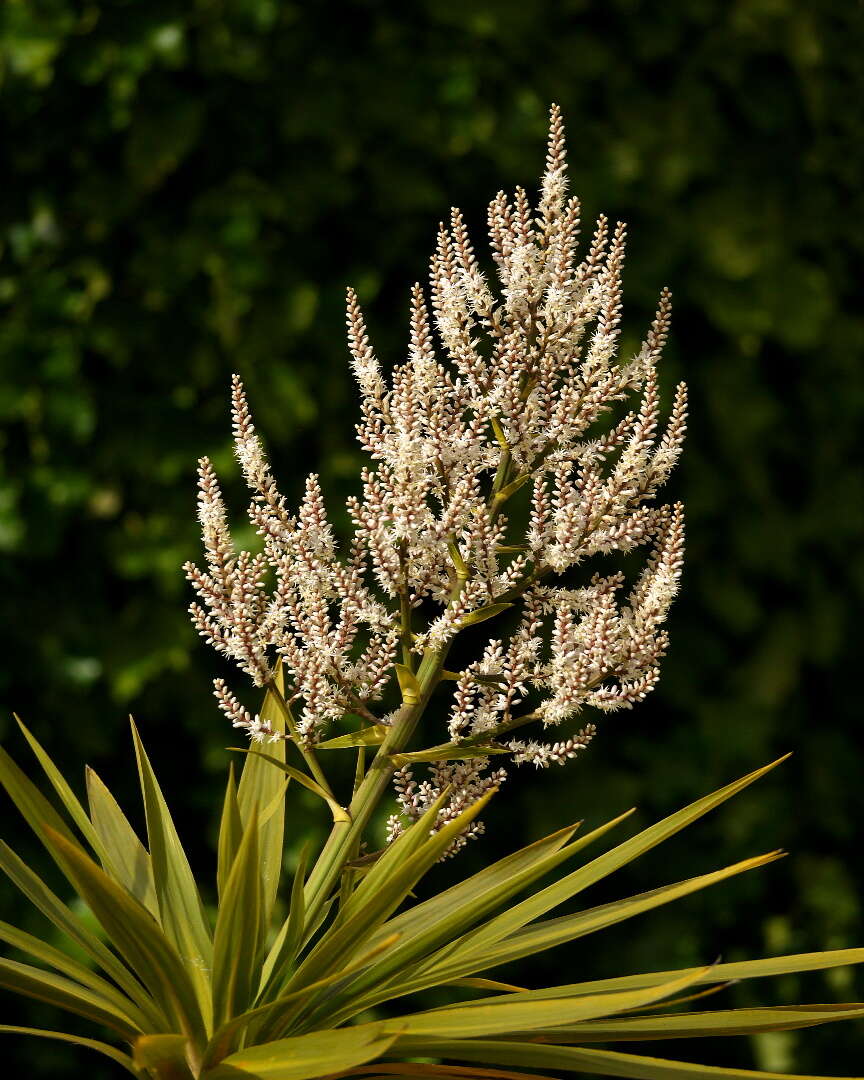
(139, 938)
(237, 938)
(305, 1056)
(259, 785)
(180, 908)
(125, 857)
(77, 1040)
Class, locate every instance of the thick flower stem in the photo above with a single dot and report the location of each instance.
(343, 835)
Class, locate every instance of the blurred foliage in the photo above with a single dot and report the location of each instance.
(188, 187)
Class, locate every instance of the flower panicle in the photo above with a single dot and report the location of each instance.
(513, 388)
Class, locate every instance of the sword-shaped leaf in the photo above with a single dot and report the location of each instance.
(181, 911)
(461, 960)
(57, 990)
(305, 1056)
(237, 939)
(440, 920)
(76, 1040)
(512, 920)
(505, 1016)
(575, 1059)
(259, 785)
(368, 736)
(70, 968)
(65, 920)
(125, 857)
(73, 807)
(701, 1024)
(352, 932)
(230, 833)
(138, 937)
(283, 952)
(792, 964)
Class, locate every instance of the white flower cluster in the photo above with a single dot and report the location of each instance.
(495, 418)
(336, 640)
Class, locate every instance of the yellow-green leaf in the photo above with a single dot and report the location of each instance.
(339, 813)
(42, 898)
(436, 921)
(259, 785)
(510, 489)
(284, 950)
(368, 736)
(794, 963)
(363, 914)
(237, 939)
(482, 614)
(575, 1059)
(408, 684)
(508, 923)
(306, 1056)
(76, 1040)
(72, 969)
(513, 1014)
(703, 1024)
(136, 935)
(56, 990)
(124, 856)
(480, 954)
(165, 1053)
(67, 796)
(181, 911)
(230, 833)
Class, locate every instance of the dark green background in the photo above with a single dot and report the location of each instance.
(188, 187)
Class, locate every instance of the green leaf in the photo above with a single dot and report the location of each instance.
(165, 1053)
(482, 614)
(123, 855)
(285, 948)
(259, 785)
(237, 939)
(488, 984)
(65, 994)
(742, 969)
(373, 735)
(34, 807)
(372, 904)
(505, 1016)
(443, 917)
(72, 969)
(180, 908)
(76, 1040)
(703, 1024)
(230, 833)
(573, 1059)
(506, 924)
(408, 684)
(510, 489)
(306, 1056)
(224, 1038)
(467, 956)
(339, 813)
(394, 857)
(137, 936)
(438, 920)
(494, 884)
(449, 752)
(67, 796)
(42, 898)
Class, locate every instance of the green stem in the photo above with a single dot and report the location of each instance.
(337, 850)
(307, 752)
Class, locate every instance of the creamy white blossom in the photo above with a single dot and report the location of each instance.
(510, 447)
